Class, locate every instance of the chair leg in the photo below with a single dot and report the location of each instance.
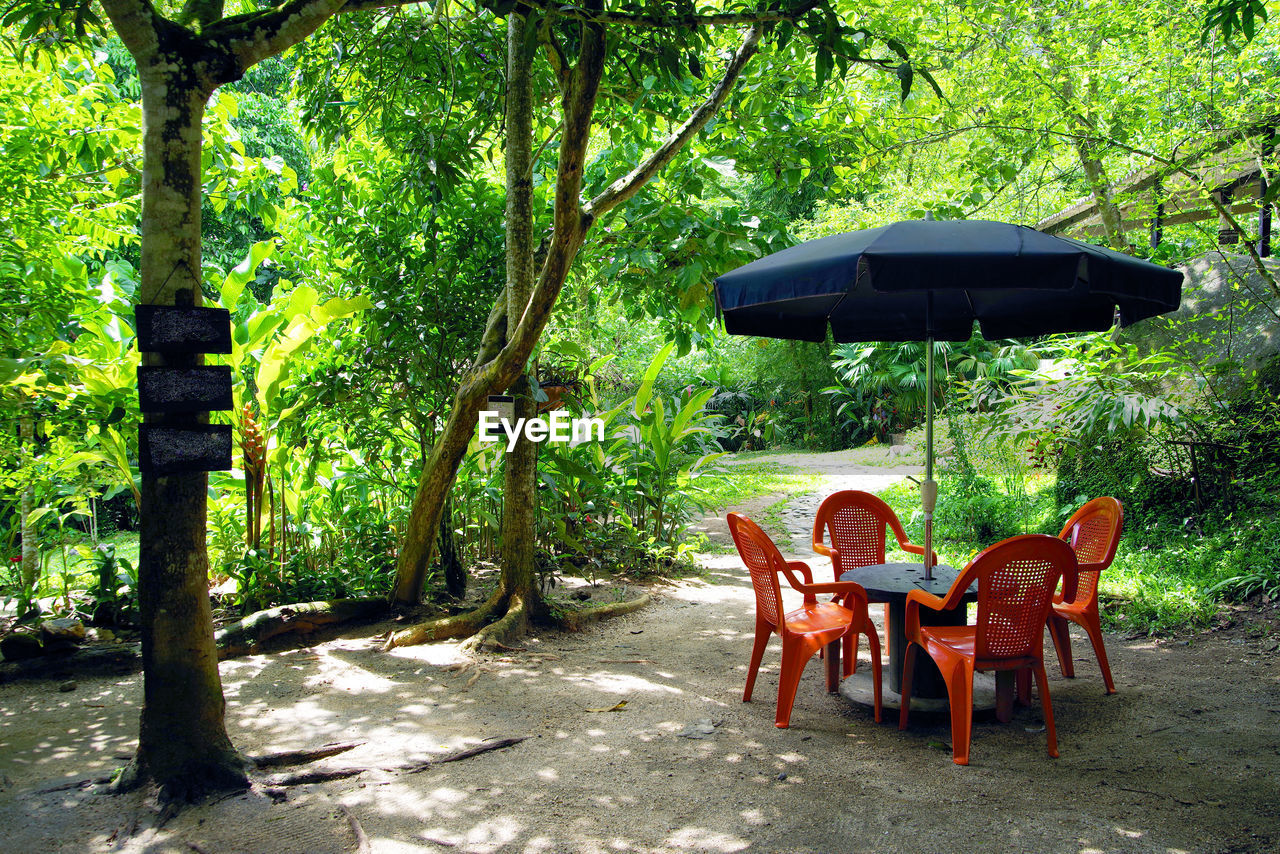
(1023, 682)
(1059, 630)
(908, 665)
(795, 655)
(1094, 629)
(1042, 681)
(833, 665)
(850, 653)
(873, 641)
(960, 695)
(1005, 689)
(763, 632)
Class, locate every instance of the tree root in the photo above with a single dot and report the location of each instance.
(445, 628)
(575, 621)
(483, 636)
(301, 757)
(512, 626)
(246, 636)
(496, 744)
(363, 845)
(307, 778)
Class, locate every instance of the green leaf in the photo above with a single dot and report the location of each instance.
(905, 76)
(645, 392)
(821, 67)
(339, 307)
(244, 272)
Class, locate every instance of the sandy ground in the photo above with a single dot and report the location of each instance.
(636, 740)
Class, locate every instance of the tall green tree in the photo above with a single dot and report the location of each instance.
(182, 58)
(578, 50)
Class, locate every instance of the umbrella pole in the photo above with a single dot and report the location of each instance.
(929, 489)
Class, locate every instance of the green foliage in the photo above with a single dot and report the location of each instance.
(882, 387)
(1232, 17)
(114, 594)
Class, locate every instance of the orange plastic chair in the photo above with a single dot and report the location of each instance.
(1016, 580)
(1094, 533)
(857, 524)
(805, 630)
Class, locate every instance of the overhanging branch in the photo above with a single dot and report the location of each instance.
(256, 36)
(628, 185)
(691, 20)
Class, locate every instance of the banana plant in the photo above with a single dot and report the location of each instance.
(665, 470)
(267, 341)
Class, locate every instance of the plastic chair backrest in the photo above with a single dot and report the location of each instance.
(1094, 532)
(763, 561)
(1016, 581)
(856, 524)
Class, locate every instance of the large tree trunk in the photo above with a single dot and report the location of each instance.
(520, 474)
(183, 745)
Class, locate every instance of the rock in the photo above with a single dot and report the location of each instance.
(20, 645)
(700, 728)
(69, 685)
(61, 634)
(63, 627)
(582, 594)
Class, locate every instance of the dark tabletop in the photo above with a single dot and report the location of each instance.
(890, 582)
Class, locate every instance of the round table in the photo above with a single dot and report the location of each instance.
(890, 583)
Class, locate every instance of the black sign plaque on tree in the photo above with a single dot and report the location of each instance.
(175, 396)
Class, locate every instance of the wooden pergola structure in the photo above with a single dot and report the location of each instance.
(1231, 167)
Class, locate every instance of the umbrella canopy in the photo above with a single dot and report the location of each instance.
(928, 280)
(923, 279)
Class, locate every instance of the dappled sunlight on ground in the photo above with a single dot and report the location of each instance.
(635, 739)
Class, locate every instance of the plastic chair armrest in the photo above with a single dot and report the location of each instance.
(851, 593)
(1060, 598)
(802, 568)
(823, 549)
(1070, 583)
(912, 548)
(789, 568)
(916, 598)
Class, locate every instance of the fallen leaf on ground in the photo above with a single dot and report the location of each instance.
(619, 707)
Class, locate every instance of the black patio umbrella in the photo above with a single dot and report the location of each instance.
(927, 280)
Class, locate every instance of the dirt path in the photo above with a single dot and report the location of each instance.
(1183, 758)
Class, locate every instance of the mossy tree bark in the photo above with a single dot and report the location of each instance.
(520, 471)
(183, 746)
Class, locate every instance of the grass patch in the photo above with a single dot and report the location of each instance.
(66, 566)
(1159, 583)
(742, 482)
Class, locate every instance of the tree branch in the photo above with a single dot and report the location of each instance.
(570, 220)
(628, 185)
(135, 22)
(200, 12)
(693, 20)
(256, 36)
